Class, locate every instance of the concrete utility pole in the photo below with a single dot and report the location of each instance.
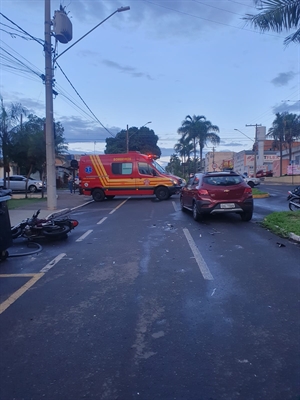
(50, 149)
(255, 148)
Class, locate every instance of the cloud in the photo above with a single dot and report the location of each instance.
(287, 107)
(78, 129)
(174, 18)
(283, 78)
(126, 69)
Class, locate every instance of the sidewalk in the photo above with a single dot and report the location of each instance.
(64, 200)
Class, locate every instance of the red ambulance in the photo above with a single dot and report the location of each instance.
(109, 175)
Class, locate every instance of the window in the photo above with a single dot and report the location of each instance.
(121, 168)
(223, 180)
(144, 169)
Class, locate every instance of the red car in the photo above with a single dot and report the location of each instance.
(261, 173)
(215, 193)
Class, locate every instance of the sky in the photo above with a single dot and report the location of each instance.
(160, 61)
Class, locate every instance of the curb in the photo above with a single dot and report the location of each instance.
(260, 196)
(294, 237)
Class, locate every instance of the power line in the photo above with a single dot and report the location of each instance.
(83, 100)
(32, 37)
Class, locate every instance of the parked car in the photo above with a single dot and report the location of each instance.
(18, 183)
(215, 193)
(261, 173)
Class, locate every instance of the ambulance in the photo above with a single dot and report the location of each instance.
(127, 174)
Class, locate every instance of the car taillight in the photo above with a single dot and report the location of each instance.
(203, 192)
(248, 190)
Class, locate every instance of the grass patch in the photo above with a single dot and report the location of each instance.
(17, 203)
(257, 191)
(283, 223)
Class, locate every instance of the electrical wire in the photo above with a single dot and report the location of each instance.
(83, 100)
(40, 41)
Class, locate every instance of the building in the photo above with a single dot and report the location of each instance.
(218, 160)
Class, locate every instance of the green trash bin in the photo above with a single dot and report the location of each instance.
(5, 228)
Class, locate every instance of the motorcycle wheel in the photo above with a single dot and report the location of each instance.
(58, 233)
(16, 232)
(292, 207)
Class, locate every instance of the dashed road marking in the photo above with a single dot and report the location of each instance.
(52, 263)
(198, 257)
(84, 235)
(123, 202)
(101, 220)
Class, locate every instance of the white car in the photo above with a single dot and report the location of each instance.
(18, 183)
(251, 181)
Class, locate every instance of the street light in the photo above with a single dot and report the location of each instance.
(49, 134)
(244, 134)
(127, 135)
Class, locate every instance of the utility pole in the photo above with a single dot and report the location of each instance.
(127, 140)
(50, 151)
(255, 148)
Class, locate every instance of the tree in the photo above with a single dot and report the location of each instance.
(199, 130)
(285, 129)
(174, 166)
(277, 15)
(184, 149)
(9, 118)
(27, 146)
(143, 140)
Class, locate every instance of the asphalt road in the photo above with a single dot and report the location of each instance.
(142, 302)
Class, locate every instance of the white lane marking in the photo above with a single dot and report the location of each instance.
(174, 205)
(198, 257)
(101, 220)
(53, 262)
(115, 209)
(84, 235)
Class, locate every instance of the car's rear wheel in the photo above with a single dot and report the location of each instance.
(246, 216)
(196, 214)
(32, 189)
(162, 193)
(98, 195)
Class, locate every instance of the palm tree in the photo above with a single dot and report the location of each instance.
(207, 134)
(190, 130)
(198, 130)
(277, 132)
(277, 15)
(184, 149)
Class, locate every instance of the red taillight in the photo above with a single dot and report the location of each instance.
(248, 190)
(74, 223)
(203, 192)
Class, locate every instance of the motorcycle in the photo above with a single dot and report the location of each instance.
(294, 199)
(55, 226)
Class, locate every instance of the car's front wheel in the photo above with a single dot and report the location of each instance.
(32, 189)
(196, 214)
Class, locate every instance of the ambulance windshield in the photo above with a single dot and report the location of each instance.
(158, 167)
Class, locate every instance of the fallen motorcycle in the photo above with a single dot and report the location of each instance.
(294, 199)
(55, 226)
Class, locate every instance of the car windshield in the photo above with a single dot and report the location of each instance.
(227, 180)
(158, 167)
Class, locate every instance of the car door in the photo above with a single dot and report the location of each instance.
(17, 183)
(188, 192)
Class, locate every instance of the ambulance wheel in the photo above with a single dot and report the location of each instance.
(162, 193)
(98, 195)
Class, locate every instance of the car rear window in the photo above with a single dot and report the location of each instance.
(223, 180)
